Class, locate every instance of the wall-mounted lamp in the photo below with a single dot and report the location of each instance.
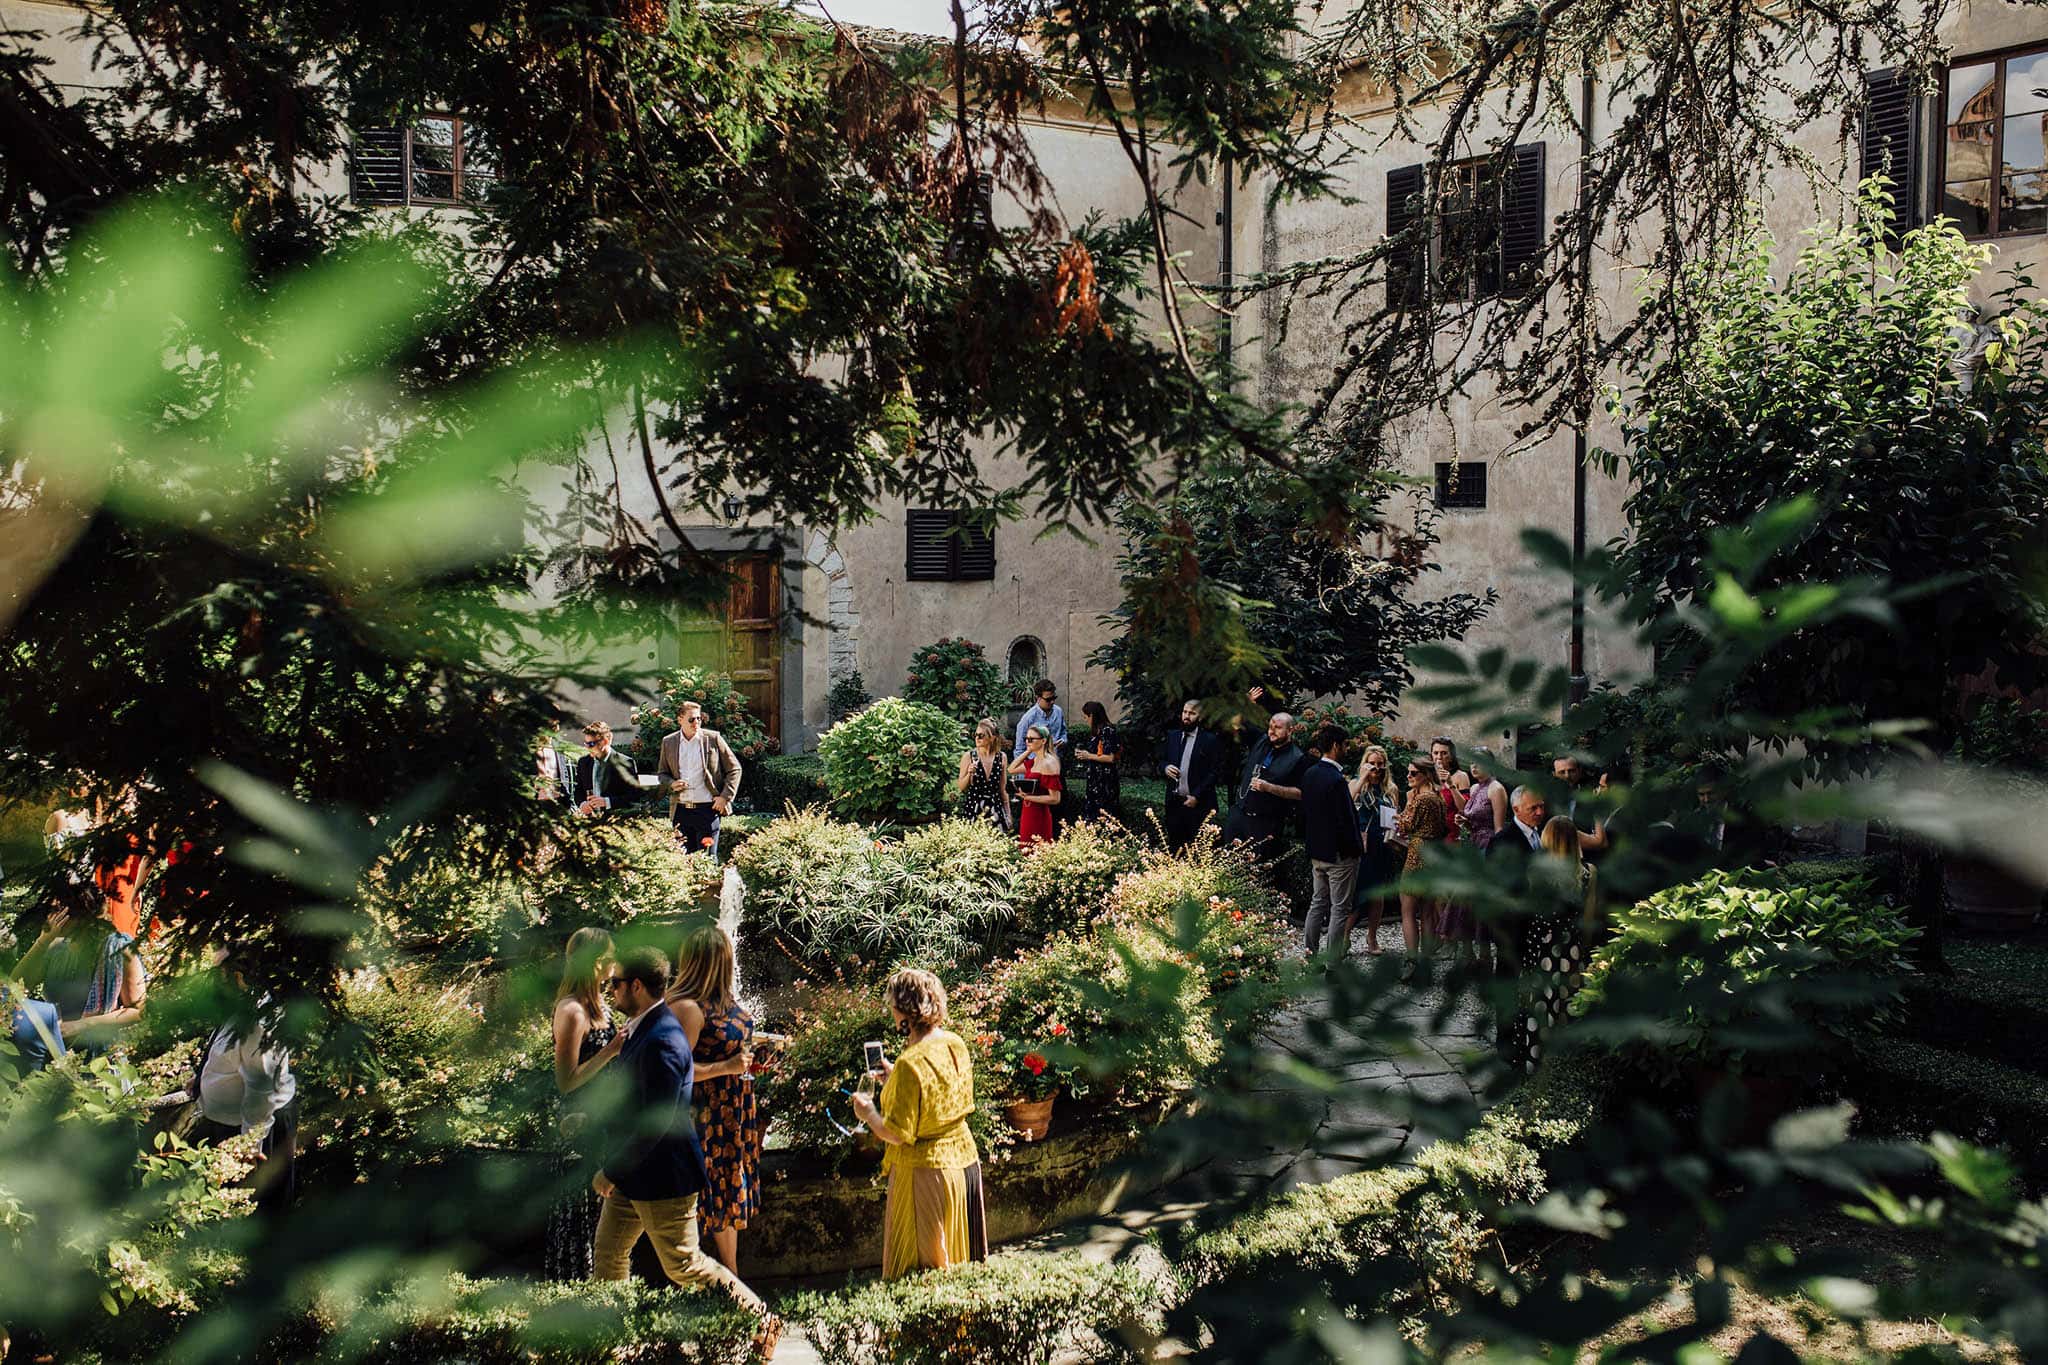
(732, 507)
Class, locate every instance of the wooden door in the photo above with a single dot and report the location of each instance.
(753, 636)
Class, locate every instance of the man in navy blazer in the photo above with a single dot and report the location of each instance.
(1330, 825)
(1190, 761)
(655, 1169)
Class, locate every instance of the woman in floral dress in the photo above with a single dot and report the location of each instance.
(728, 1115)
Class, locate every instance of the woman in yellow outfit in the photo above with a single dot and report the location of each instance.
(934, 1215)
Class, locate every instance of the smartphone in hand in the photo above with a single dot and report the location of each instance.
(873, 1055)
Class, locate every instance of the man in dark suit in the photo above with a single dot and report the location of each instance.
(605, 778)
(1509, 857)
(651, 1179)
(1330, 828)
(1190, 761)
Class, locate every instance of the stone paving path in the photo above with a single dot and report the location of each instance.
(1351, 1130)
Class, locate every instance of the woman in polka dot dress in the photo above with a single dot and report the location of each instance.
(1558, 943)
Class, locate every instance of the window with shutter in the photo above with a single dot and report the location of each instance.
(1461, 485)
(1484, 233)
(1994, 142)
(436, 159)
(1409, 260)
(376, 166)
(945, 547)
(1523, 227)
(1891, 143)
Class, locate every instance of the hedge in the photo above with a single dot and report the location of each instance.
(1415, 1230)
(1025, 1308)
(482, 1322)
(769, 785)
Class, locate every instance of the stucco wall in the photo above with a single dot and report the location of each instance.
(1533, 485)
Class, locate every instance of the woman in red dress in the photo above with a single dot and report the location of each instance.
(1034, 823)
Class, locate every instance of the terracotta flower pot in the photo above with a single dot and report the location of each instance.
(1031, 1118)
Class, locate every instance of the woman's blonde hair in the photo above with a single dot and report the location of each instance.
(1561, 836)
(1388, 792)
(988, 730)
(588, 946)
(917, 995)
(704, 968)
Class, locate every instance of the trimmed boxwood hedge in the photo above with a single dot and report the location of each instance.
(770, 784)
(480, 1322)
(1020, 1309)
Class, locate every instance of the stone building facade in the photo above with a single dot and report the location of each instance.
(864, 597)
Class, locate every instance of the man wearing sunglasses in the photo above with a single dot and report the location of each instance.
(650, 1182)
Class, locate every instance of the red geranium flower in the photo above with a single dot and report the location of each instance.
(1034, 1063)
(707, 841)
(1059, 1030)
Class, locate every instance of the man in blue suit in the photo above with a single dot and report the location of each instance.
(1330, 824)
(651, 1179)
(1190, 762)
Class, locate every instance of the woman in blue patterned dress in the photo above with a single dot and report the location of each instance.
(728, 1117)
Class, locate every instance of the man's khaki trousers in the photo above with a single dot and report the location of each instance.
(672, 1226)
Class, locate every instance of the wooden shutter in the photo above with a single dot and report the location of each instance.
(1408, 263)
(376, 166)
(940, 548)
(1891, 143)
(974, 552)
(1523, 227)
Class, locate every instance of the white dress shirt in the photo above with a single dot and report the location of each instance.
(692, 770)
(245, 1081)
(1187, 760)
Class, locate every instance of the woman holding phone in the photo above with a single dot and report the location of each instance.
(934, 1215)
(728, 1114)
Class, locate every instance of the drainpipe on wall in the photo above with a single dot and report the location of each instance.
(1225, 265)
(1578, 688)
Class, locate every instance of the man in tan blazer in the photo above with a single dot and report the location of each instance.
(701, 774)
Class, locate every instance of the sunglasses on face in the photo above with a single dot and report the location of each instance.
(612, 983)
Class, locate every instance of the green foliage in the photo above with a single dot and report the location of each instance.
(1122, 1011)
(802, 1094)
(1062, 885)
(956, 676)
(1031, 1308)
(725, 710)
(2004, 733)
(1392, 1240)
(775, 784)
(1304, 607)
(508, 1322)
(413, 1069)
(81, 1127)
(1743, 948)
(1210, 901)
(847, 695)
(630, 871)
(1851, 383)
(892, 762)
(848, 907)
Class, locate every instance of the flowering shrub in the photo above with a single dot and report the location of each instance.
(1124, 1011)
(1209, 901)
(955, 676)
(725, 710)
(893, 761)
(1062, 885)
(849, 907)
